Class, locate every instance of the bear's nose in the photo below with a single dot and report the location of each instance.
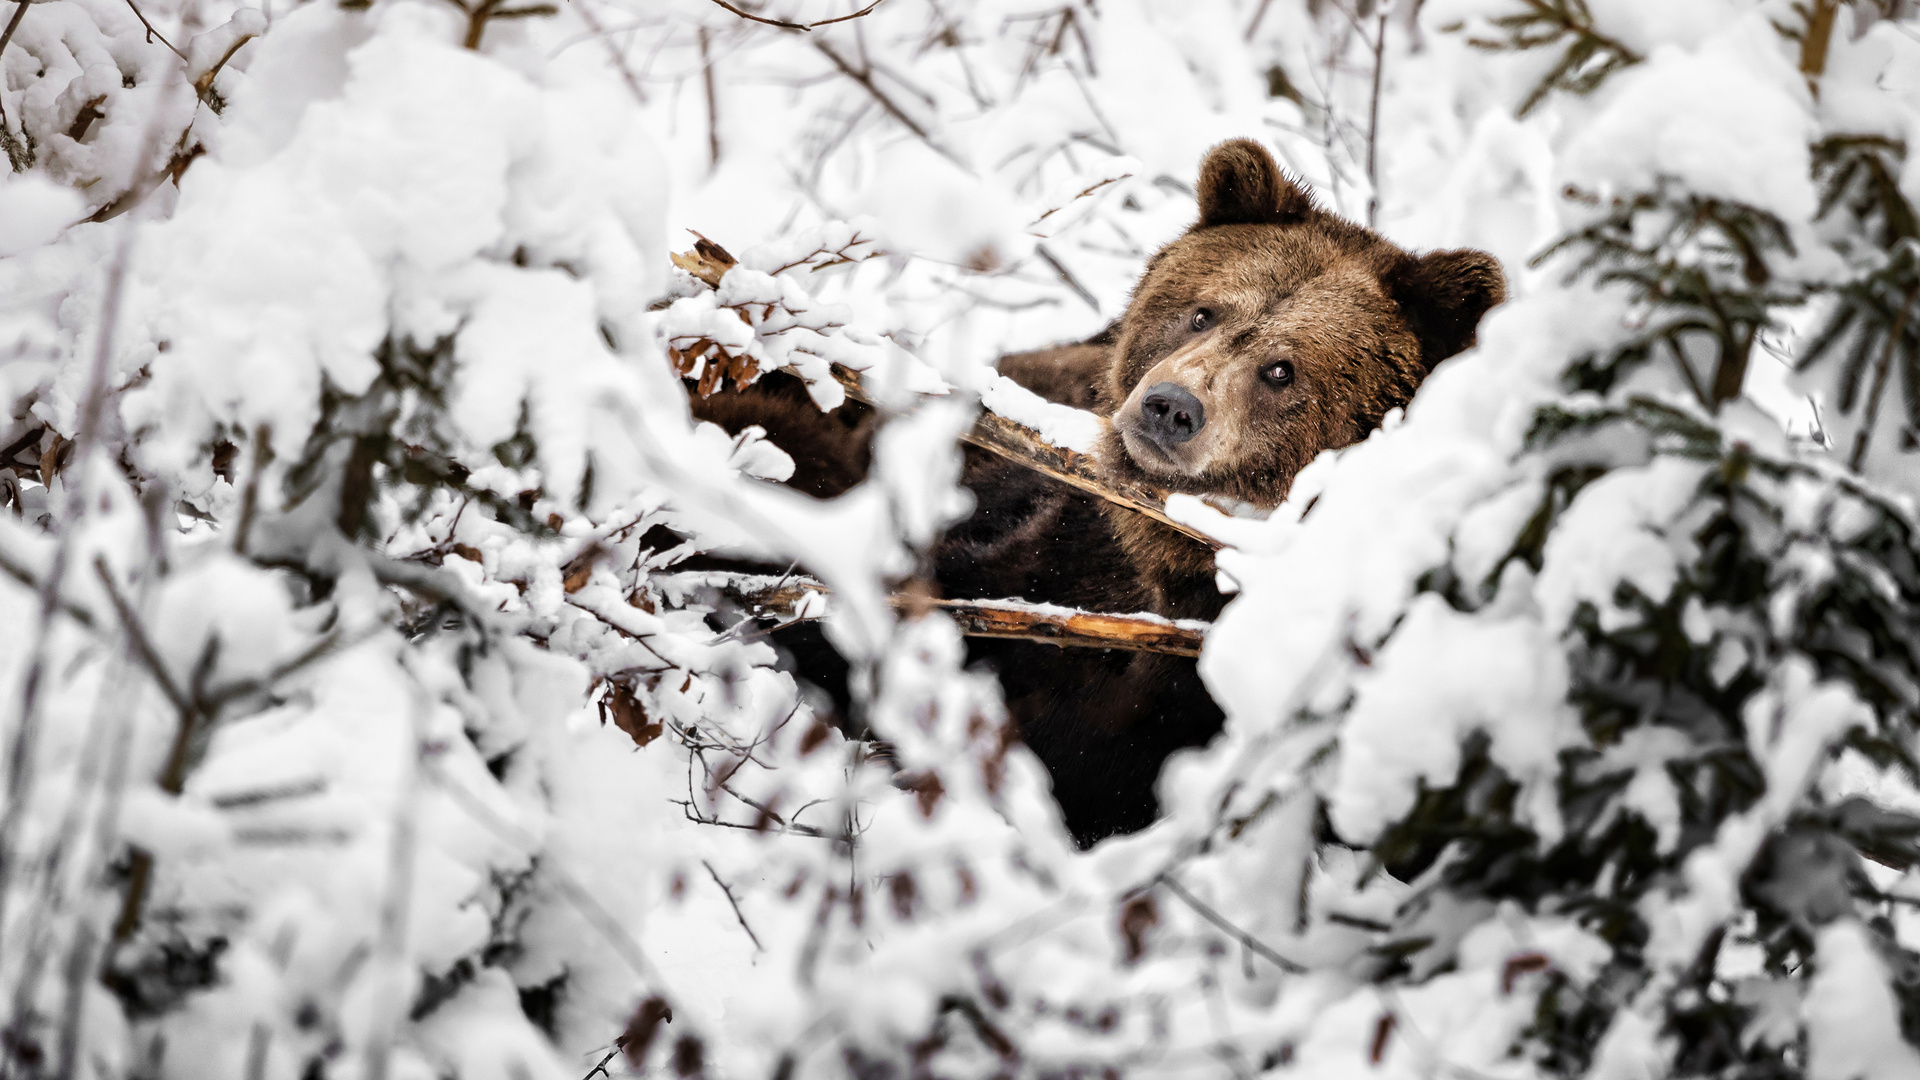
(1169, 414)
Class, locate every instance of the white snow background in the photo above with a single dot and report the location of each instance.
(333, 342)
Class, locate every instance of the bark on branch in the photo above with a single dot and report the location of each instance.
(1023, 446)
(793, 599)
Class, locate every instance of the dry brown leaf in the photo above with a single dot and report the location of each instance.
(641, 1028)
(629, 715)
(1138, 916)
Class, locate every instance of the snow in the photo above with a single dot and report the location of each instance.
(1067, 428)
(1853, 1019)
(446, 758)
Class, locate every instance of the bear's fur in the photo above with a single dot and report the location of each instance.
(1271, 330)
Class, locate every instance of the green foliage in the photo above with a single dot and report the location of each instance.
(1587, 56)
(1704, 271)
(1870, 326)
(1687, 669)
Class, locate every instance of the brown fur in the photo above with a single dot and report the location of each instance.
(831, 451)
(1360, 322)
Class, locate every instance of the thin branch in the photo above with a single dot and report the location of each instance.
(150, 658)
(785, 25)
(1066, 276)
(601, 1069)
(751, 17)
(713, 103)
(26, 577)
(798, 599)
(152, 33)
(715, 874)
(1259, 14)
(250, 498)
(619, 59)
(1253, 944)
(19, 12)
(1373, 123)
(1871, 415)
(1024, 446)
(865, 79)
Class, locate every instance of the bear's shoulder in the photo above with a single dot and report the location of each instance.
(1065, 374)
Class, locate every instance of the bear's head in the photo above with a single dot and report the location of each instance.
(1272, 330)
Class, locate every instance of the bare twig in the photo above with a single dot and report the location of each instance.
(171, 777)
(1251, 943)
(785, 25)
(152, 33)
(250, 498)
(715, 874)
(19, 12)
(1259, 14)
(1066, 276)
(601, 1069)
(585, 10)
(865, 79)
(761, 19)
(25, 742)
(1373, 122)
(713, 102)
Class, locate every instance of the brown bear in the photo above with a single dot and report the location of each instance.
(1271, 330)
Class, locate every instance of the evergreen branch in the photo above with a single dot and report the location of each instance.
(1590, 56)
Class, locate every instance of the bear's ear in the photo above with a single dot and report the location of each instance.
(1443, 295)
(1241, 185)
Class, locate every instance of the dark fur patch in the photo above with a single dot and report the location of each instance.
(1241, 185)
(1443, 295)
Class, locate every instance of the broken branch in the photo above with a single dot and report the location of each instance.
(796, 599)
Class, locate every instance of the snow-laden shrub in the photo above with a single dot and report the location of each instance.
(361, 720)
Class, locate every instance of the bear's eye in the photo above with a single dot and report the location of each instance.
(1202, 319)
(1278, 374)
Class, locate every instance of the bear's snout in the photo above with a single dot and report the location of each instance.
(1170, 415)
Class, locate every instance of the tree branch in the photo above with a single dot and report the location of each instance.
(709, 262)
(797, 599)
(1024, 446)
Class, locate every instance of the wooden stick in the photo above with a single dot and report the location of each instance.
(1023, 446)
(798, 599)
